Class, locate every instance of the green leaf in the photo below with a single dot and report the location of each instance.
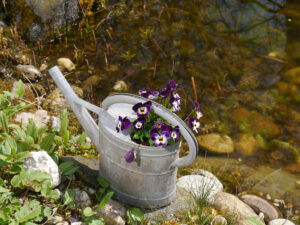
(103, 182)
(254, 221)
(68, 168)
(31, 129)
(64, 123)
(3, 163)
(20, 90)
(46, 211)
(137, 214)
(46, 190)
(27, 213)
(4, 123)
(47, 142)
(88, 212)
(105, 200)
(20, 156)
(69, 198)
(82, 138)
(3, 190)
(94, 220)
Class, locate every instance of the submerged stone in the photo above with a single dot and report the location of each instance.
(245, 144)
(216, 143)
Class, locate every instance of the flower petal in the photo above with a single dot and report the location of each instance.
(129, 156)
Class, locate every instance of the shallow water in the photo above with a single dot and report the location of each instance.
(238, 52)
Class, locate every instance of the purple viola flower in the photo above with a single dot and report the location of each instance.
(139, 123)
(174, 133)
(193, 123)
(160, 139)
(161, 126)
(123, 124)
(130, 156)
(198, 112)
(164, 93)
(142, 110)
(171, 85)
(149, 94)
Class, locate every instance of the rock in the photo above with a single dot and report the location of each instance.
(245, 144)
(239, 115)
(200, 186)
(29, 71)
(297, 184)
(2, 24)
(216, 143)
(43, 67)
(218, 220)
(39, 17)
(77, 223)
(292, 75)
(259, 204)
(66, 63)
(57, 93)
(55, 122)
(40, 118)
(120, 86)
(55, 220)
(82, 198)
(184, 201)
(113, 213)
(232, 206)
(280, 222)
(63, 223)
(262, 125)
(43, 162)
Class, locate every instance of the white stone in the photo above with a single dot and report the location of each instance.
(29, 72)
(66, 63)
(63, 223)
(280, 222)
(219, 220)
(77, 223)
(54, 220)
(120, 86)
(82, 198)
(200, 186)
(43, 162)
(55, 122)
(40, 118)
(113, 213)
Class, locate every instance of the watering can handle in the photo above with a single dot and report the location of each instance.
(166, 114)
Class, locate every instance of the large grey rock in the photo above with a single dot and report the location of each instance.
(43, 162)
(216, 143)
(259, 204)
(200, 186)
(113, 213)
(82, 199)
(280, 222)
(232, 205)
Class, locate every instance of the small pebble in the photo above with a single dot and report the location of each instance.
(276, 204)
(268, 196)
(279, 201)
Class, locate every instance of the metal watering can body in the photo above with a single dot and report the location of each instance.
(148, 182)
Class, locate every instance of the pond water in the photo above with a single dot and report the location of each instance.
(244, 56)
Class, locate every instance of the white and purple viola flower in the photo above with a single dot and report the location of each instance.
(199, 114)
(160, 139)
(123, 124)
(170, 87)
(139, 123)
(175, 101)
(174, 133)
(194, 124)
(142, 110)
(149, 94)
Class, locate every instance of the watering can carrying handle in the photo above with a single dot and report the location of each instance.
(166, 114)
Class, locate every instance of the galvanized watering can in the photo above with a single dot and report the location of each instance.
(148, 182)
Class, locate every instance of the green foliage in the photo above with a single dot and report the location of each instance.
(254, 221)
(68, 168)
(135, 216)
(20, 90)
(104, 193)
(90, 218)
(69, 198)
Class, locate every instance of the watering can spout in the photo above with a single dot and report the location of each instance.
(78, 106)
